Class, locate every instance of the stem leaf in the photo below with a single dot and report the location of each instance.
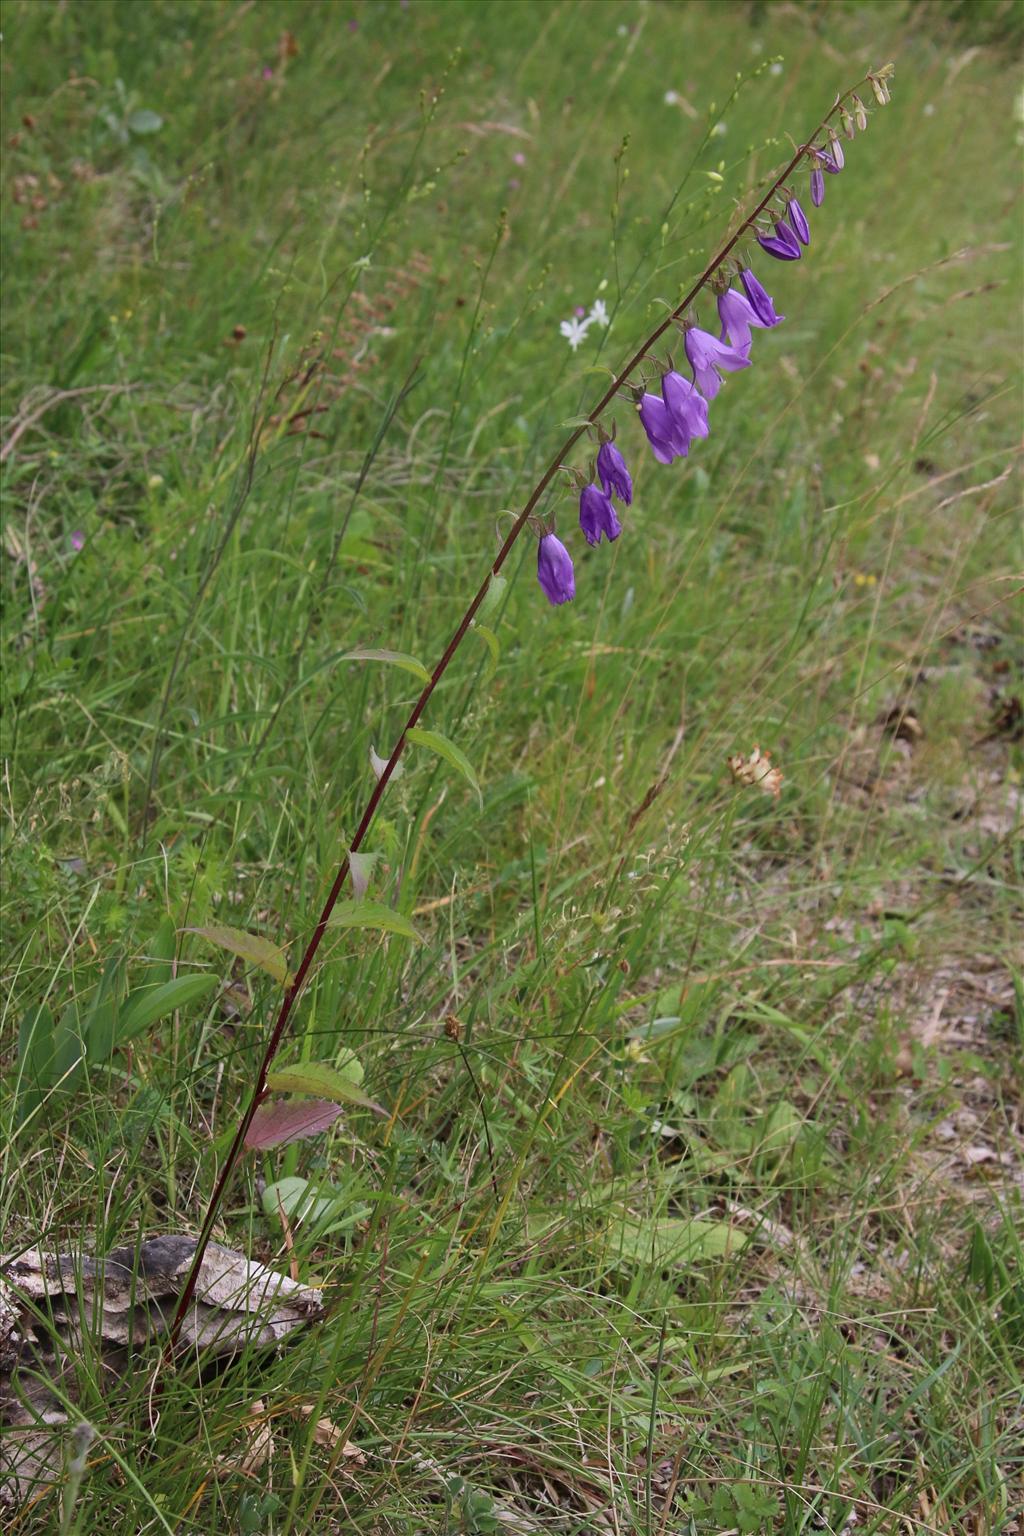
(435, 742)
(373, 914)
(260, 952)
(327, 1081)
(392, 658)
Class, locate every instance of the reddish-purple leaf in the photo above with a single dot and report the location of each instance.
(283, 1120)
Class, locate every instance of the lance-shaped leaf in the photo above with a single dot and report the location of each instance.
(327, 1081)
(263, 953)
(276, 1124)
(373, 914)
(392, 658)
(435, 742)
(490, 639)
(147, 1005)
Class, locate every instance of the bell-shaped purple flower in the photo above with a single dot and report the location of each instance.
(597, 515)
(686, 405)
(817, 186)
(835, 149)
(668, 438)
(760, 301)
(554, 570)
(613, 474)
(738, 314)
(798, 219)
(706, 355)
(783, 245)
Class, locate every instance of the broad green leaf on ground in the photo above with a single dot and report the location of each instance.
(302, 1200)
(147, 1005)
(392, 658)
(263, 953)
(317, 1077)
(435, 742)
(373, 914)
(674, 1240)
(276, 1124)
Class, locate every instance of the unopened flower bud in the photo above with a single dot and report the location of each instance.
(847, 121)
(880, 89)
(817, 186)
(554, 570)
(836, 149)
(860, 113)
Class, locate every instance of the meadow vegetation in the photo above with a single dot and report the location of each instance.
(697, 1203)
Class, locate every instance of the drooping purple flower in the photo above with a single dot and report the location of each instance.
(835, 146)
(597, 515)
(686, 405)
(613, 474)
(667, 436)
(783, 245)
(761, 301)
(817, 186)
(706, 355)
(554, 570)
(77, 541)
(798, 219)
(738, 314)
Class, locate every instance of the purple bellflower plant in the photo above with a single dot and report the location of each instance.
(671, 423)
(597, 516)
(613, 474)
(554, 570)
(707, 355)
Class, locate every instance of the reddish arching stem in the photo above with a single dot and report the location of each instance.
(259, 1092)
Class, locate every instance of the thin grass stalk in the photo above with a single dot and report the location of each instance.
(294, 990)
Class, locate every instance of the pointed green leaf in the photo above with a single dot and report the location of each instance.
(448, 750)
(492, 599)
(147, 1005)
(490, 639)
(264, 953)
(325, 1081)
(393, 658)
(373, 914)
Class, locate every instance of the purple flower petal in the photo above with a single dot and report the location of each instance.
(667, 437)
(613, 474)
(798, 219)
(554, 570)
(783, 245)
(686, 405)
(597, 515)
(817, 186)
(760, 301)
(706, 355)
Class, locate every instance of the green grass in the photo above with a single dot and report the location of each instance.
(705, 1214)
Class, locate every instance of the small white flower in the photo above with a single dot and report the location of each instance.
(574, 331)
(775, 68)
(929, 109)
(599, 314)
(719, 130)
(671, 98)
